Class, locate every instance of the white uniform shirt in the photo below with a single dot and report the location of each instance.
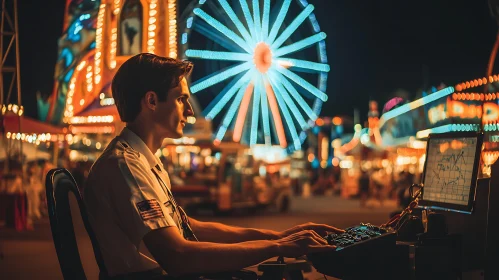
(125, 200)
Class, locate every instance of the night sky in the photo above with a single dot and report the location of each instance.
(373, 47)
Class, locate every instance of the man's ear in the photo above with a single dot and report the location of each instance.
(150, 100)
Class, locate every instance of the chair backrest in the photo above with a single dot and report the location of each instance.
(59, 183)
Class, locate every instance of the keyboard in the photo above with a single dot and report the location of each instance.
(361, 251)
(354, 236)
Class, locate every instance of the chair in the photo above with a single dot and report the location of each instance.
(59, 184)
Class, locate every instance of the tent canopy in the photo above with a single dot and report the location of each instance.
(29, 125)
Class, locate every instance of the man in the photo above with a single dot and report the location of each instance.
(128, 196)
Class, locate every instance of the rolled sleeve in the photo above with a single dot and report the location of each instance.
(138, 199)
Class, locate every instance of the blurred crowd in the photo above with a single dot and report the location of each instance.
(22, 193)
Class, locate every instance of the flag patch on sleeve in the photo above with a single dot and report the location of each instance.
(150, 209)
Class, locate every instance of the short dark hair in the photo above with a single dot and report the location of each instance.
(142, 73)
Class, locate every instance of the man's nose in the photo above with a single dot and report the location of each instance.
(189, 112)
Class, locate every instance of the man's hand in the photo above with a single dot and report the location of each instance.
(321, 229)
(302, 243)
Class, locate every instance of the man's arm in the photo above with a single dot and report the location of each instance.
(180, 257)
(220, 233)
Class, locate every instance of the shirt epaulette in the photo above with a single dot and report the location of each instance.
(127, 148)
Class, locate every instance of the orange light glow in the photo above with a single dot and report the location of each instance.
(337, 121)
(241, 115)
(277, 116)
(262, 57)
(319, 122)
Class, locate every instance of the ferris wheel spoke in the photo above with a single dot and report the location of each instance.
(255, 114)
(216, 36)
(285, 112)
(257, 20)
(229, 116)
(265, 110)
(292, 27)
(223, 29)
(215, 55)
(220, 76)
(265, 19)
(274, 108)
(303, 64)
(239, 25)
(278, 22)
(296, 95)
(301, 82)
(249, 19)
(241, 115)
(224, 97)
(307, 42)
(289, 102)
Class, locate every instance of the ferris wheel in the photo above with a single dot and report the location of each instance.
(273, 62)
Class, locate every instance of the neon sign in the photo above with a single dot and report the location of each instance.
(464, 111)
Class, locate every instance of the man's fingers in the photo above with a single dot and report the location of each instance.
(328, 228)
(333, 229)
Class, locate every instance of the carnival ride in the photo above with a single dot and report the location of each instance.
(265, 52)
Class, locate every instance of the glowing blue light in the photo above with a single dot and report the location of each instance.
(278, 22)
(219, 102)
(239, 25)
(301, 82)
(322, 48)
(74, 31)
(415, 104)
(219, 77)
(256, 17)
(78, 28)
(447, 128)
(292, 27)
(315, 24)
(287, 116)
(307, 42)
(231, 112)
(84, 17)
(289, 101)
(265, 20)
(184, 38)
(67, 55)
(221, 132)
(249, 19)
(313, 116)
(321, 67)
(208, 31)
(189, 22)
(222, 28)
(213, 55)
(265, 110)
(201, 2)
(68, 75)
(254, 116)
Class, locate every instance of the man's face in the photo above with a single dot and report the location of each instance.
(171, 115)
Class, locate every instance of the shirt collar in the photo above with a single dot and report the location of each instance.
(138, 145)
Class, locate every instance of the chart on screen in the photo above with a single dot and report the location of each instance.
(449, 168)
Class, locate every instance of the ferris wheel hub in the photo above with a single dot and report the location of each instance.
(262, 57)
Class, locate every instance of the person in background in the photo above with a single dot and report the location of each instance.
(364, 185)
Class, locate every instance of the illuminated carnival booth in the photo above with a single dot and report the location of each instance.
(98, 37)
(459, 108)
